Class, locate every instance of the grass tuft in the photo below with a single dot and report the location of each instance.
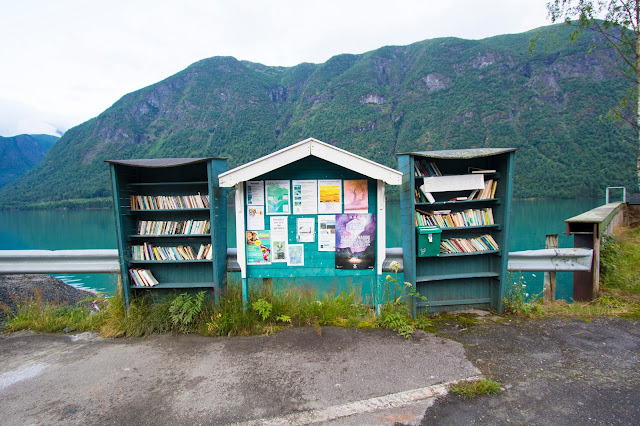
(470, 389)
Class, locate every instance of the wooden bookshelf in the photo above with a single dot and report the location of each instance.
(459, 179)
(158, 203)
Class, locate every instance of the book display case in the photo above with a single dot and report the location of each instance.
(466, 196)
(170, 224)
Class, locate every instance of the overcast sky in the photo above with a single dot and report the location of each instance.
(66, 61)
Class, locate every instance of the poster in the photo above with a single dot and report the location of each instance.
(327, 232)
(355, 241)
(255, 218)
(329, 196)
(279, 237)
(255, 193)
(295, 255)
(258, 248)
(278, 200)
(356, 196)
(306, 229)
(305, 196)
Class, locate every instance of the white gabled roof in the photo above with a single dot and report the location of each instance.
(304, 149)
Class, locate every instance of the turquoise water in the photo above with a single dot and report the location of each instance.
(86, 229)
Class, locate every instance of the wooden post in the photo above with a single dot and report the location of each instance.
(550, 277)
(267, 287)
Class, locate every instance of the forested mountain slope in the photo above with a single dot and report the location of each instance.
(436, 94)
(19, 154)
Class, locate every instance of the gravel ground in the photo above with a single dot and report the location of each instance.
(24, 286)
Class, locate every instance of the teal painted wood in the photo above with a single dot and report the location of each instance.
(120, 231)
(176, 178)
(318, 265)
(459, 281)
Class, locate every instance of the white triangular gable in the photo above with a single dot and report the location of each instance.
(304, 149)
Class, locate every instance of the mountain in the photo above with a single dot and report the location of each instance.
(19, 154)
(442, 93)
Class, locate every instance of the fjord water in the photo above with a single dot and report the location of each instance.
(531, 220)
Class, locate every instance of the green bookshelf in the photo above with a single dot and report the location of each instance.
(170, 194)
(476, 275)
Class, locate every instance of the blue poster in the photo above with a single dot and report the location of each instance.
(355, 241)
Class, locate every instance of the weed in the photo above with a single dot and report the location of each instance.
(470, 389)
(184, 309)
(517, 301)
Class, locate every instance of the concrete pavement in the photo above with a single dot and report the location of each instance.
(345, 376)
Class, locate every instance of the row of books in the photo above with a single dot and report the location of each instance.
(488, 192)
(425, 168)
(170, 202)
(173, 227)
(468, 245)
(150, 252)
(447, 219)
(142, 277)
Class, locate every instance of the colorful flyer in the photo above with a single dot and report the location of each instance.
(255, 218)
(305, 196)
(327, 232)
(355, 241)
(305, 229)
(255, 193)
(329, 196)
(356, 196)
(258, 248)
(279, 238)
(278, 200)
(295, 255)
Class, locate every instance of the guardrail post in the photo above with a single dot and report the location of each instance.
(550, 277)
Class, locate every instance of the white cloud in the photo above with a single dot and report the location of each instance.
(77, 58)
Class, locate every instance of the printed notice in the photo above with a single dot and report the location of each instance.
(258, 248)
(279, 237)
(255, 193)
(329, 196)
(278, 200)
(356, 196)
(305, 196)
(305, 229)
(255, 218)
(327, 232)
(295, 255)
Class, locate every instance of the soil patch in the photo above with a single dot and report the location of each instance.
(27, 286)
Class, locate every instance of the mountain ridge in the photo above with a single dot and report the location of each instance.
(443, 93)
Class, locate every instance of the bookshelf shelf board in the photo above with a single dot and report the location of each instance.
(202, 182)
(442, 203)
(466, 228)
(492, 175)
(175, 285)
(444, 277)
(144, 262)
(473, 253)
(169, 210)
(483, 300)
(181, 236)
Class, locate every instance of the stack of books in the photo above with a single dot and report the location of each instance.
(468, 245)
(142, 277)
(169, 202)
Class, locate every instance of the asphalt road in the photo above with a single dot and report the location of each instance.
(293, 377)
(554, 372)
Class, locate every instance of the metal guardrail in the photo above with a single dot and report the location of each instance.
(551, 260)
(95, 261)
(106, 261)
